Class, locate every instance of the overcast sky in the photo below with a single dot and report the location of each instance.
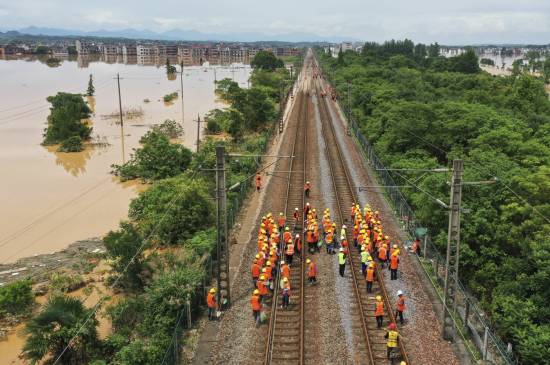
(448, 22)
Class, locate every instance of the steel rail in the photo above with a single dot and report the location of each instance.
(335, 153)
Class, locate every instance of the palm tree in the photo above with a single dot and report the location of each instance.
(55, 326)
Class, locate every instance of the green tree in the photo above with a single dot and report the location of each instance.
(156, 159)
(433, 50)
(91, 89)
(170, 69)
(125, 251)
(65, 119)
(53, 329)
(340, 58)
(466, 62)
(546, 69)
(172, 210)
(487, 61)
(42, 50)
(266, 60)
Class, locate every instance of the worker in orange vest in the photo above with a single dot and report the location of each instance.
(379, 311)
(256, 269)
(287, 236)
(369, 277)
(382, 254)
(289, 253)
(285, 293)
(281, 220)
(285, 270)
(256, 303)
(212, 304)
(298, 244)
(307, 209)
(311, 271)
(296, 215)
(400, 307)
(307, 187)
(310, 238)
(394, 264)
(258, 181)
(260, 284)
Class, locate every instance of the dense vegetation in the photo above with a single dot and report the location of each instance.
(157, 258)
(266, 60)
(170, 97)
(65, 121)
(16, 297)
(421, 111)
(157, 158)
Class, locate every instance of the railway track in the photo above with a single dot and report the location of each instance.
(374, 351)
(285, 339)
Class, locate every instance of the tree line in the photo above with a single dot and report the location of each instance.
(420, 111)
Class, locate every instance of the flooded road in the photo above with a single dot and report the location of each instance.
(50, 199)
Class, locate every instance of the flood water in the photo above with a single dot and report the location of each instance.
(50, 199)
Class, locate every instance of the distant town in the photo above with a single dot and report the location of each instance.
(147, 52)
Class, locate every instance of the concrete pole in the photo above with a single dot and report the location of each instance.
(453, 248)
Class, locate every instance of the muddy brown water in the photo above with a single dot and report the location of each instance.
(49, 199)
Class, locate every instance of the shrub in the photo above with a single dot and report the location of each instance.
(170, 97)
(71, 144)
(16, 297)
(170, 128)
(65, 119)
(156, 159)
(172, 210)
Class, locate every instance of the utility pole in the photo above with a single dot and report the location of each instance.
(349, 101)
(215, 77)
(181, 82)
(121, 120)
(221, 224)
(453, 249)
(119, 99)
(198, 131)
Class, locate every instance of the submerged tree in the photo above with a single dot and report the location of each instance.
(91, 89)
(65, 119)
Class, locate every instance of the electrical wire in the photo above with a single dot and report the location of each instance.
(488, 172)
(115, 282)
(6, 239)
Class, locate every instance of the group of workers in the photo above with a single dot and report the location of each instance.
(278, 240)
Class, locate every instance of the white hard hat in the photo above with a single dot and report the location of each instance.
(399, 292)
(341, 249)
(344, 226)
(297, 235)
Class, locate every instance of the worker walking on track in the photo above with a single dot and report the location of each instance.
(311, 271)
(307, 187)
(285, 270)
(379, 311)
(258, 181)
(394, 264)
(281, 221)
(393, 339)
(364, 259)
(400, 306)
(256, 269)
(298, 244)
(256, 303)
(212, 304)
(289, 253)
(285, 293)
(369, 277)
(383, 254)
(342, 261)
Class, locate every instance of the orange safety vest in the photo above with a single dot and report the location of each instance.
(394, 262)
(290, 249)
(255, 302)
(310, 237)
(307, 186)
(379, 310)
(312, 270)
(285, 271)
(401, 304)
(370, 274)
(255, 271)
(261, 287)
(296, 215)
(330, 238)
(298, 243)
(287, 236)
(268, 272)
(281, 221)
(258, 181)
(382, 253)
(211, 300)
